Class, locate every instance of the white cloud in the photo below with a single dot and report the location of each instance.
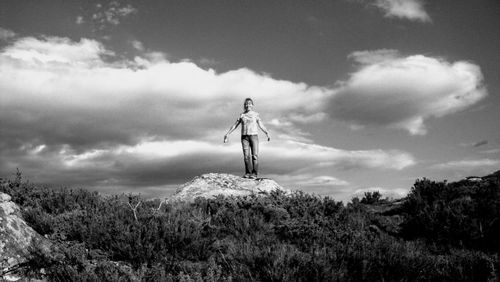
(402, 92)
(48, 52)
(468, 164)
(405, 9)
(150, 96)
(114, 13)
(137, 45)
(316, 156)
(79, 20)
(373, 57)
(207, 62)
(6, 34)
(108, 14)
(72, 109)
(308, 179)
(394, 193)
(491, 151)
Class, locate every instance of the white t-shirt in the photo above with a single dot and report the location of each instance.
(249, 124)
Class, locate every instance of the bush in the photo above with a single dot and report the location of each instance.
(371, 198)
(277, 237)
(460, 214)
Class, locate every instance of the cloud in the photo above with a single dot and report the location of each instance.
(468, 164)
(207, 62)
(106, 14)
(157, 163)
(480, 143)
(79, 20)
(73, 113)
(395, 193)
(374, 57)
(46, 54)
(137, 45)
(113, 13)
(315, 156)
(403, 92)
(6, 34)
(404, 9)
(475, 144)
(308, 179)
(72, 91)
(492, 151)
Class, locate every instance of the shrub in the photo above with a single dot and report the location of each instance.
(277, 237)
(463, 213)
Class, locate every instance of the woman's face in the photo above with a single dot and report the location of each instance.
(248, 105)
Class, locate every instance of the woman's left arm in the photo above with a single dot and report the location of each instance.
(263, 128)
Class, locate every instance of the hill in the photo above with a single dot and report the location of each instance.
(440, 231)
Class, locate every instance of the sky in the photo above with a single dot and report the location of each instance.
(358, 95)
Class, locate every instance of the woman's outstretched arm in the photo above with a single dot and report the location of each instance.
(264, 129)
(233, 127)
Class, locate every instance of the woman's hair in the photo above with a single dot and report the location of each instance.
(247, 99)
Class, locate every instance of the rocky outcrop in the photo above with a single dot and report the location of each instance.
(16, 237)
(213, 184)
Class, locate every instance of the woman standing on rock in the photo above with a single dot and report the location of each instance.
(250, 124)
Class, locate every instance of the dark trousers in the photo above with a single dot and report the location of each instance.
(250, 144)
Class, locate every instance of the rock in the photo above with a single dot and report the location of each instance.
(213, 184)
(16, 238)
(473, 178)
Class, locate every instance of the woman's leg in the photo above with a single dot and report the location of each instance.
(245, 144)
(254, 145)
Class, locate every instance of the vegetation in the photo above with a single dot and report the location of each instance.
(442, 231)
(464, 214)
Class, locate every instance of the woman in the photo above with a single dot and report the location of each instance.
(250, 124)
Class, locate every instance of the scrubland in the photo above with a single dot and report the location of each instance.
(440, 232)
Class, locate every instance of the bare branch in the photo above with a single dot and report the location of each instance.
(134, 209)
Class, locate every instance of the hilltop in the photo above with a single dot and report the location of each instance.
(222, 184)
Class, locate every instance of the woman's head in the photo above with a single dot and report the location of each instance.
(248, 104)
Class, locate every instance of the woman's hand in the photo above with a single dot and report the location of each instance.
(268, 137)
(225, 138)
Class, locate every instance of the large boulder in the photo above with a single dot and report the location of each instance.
(214, 184)
(16, 238)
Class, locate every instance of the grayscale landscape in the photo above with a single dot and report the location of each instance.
(376, 123)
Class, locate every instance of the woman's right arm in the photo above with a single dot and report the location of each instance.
(233, 127)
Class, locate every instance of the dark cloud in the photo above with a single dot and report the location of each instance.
(157, 164)
(480, 143)
(474, 144)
